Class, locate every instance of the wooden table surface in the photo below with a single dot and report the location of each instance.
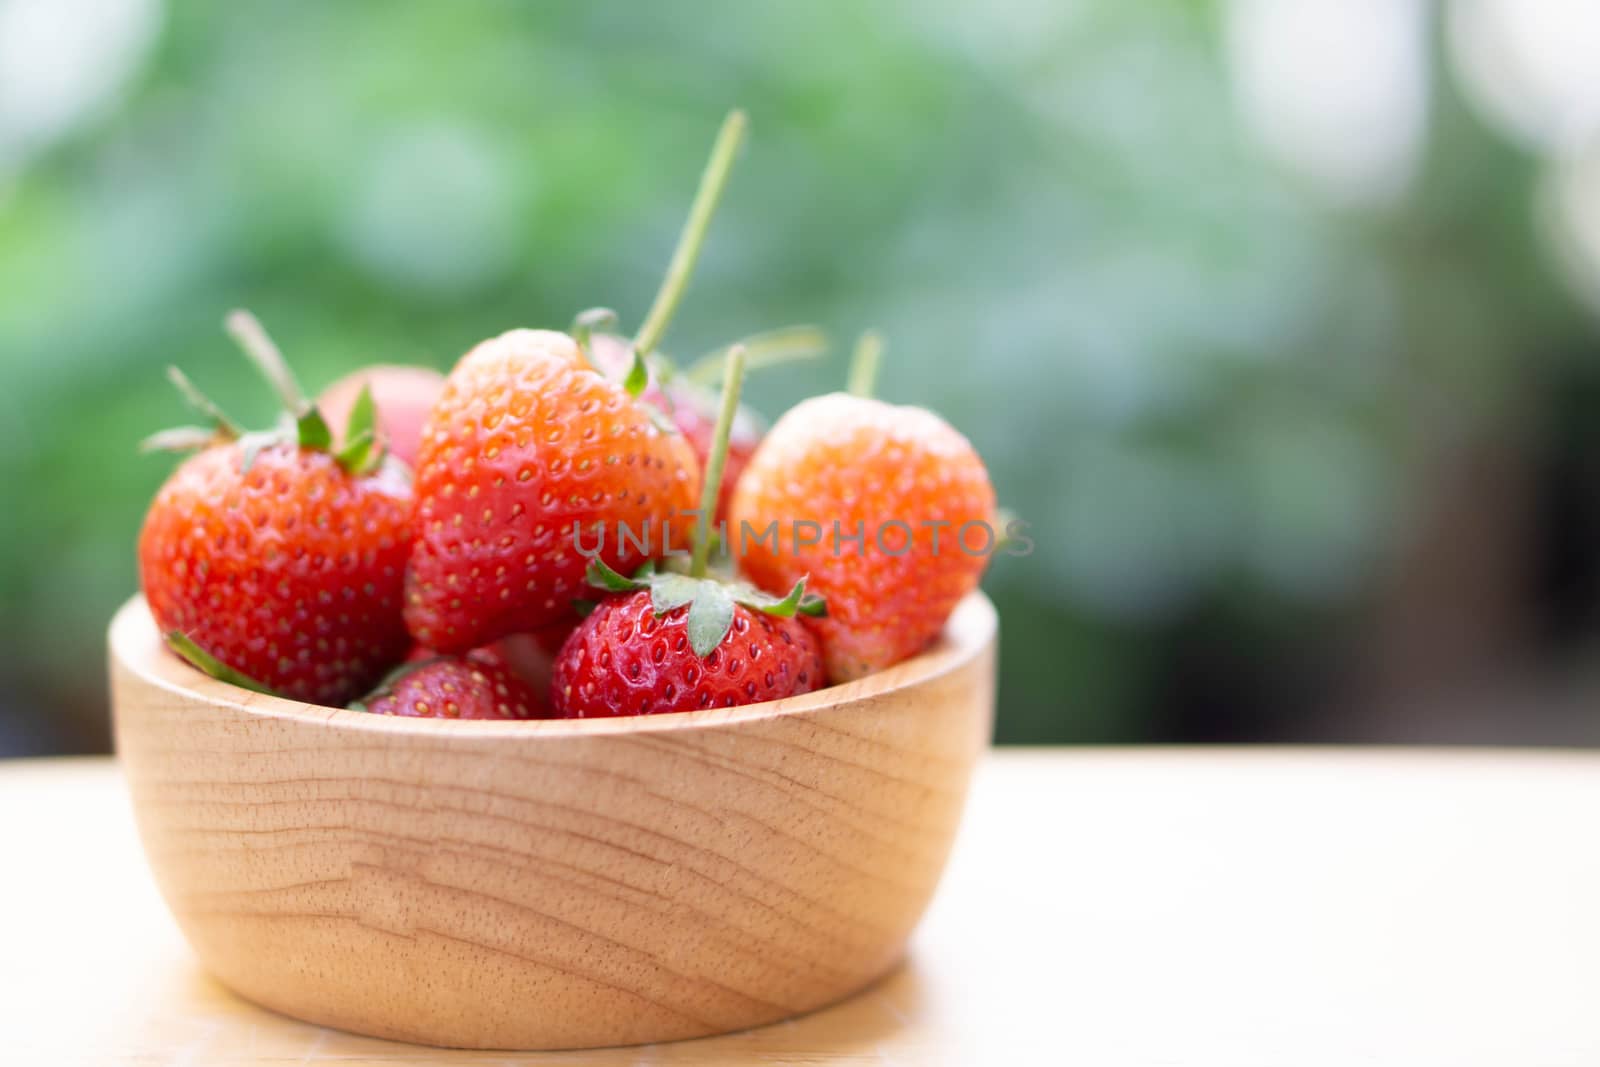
(1153, 907)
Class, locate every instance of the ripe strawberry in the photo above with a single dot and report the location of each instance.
(629, 659)
(528, 656)
(679, 642)
(527, 442)
(454, 687)
(402, 395)
(901, 475)
(491, 654)
(272, 563)
(529, 448)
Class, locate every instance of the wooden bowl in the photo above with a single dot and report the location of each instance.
(563, 884)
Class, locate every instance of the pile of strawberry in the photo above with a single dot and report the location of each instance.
(532, 535)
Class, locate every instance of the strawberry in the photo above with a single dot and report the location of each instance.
(628, 658)
(273, 563)
(530, 449)
(680, 642)
(838, 465)
(454, 687)
(402, 395)
(528, 656)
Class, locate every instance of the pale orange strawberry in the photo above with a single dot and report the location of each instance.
(861, 463)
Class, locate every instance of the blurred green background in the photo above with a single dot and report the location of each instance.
(1275, 318)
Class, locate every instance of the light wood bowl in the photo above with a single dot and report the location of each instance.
(567, 884)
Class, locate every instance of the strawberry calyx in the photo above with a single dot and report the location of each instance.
(203, 661)
(710, 600)
(301, 424)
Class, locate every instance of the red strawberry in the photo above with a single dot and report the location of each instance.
(454, 687)
(529, 449)
(528, 656)
(527, 442)
(679, 642)
(901, 475)
(491, 654)
(403, 396)
(626, 659)
(273, 563)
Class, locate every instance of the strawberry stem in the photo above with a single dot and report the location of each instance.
(716, 460)
(226, 427)
(310, 430)
(247, 330)
(681, 268)
(864, 364)
(771, 348)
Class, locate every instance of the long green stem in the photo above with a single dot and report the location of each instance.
(732, 382)
(693, 236)
(247, 330)
(772, 348)
(864, 364)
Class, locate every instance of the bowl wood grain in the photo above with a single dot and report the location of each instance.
(551, 884)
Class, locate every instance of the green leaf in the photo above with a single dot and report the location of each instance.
(361, 455)
(638, 378)
(797, 602)
(204, 661)
(763, 601)
(311, 430)
(710, 618)
(363, 415)
(584, 608)
(669, 591)
(602, 576)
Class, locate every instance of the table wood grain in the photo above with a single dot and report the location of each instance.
(1104, 906)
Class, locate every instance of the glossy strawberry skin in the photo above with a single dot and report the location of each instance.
(291, 573)
(860, 461)
(527, 441)
(403, 396)
(624, 660)
(457, 687)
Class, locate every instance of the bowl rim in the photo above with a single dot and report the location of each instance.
(136, 645)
